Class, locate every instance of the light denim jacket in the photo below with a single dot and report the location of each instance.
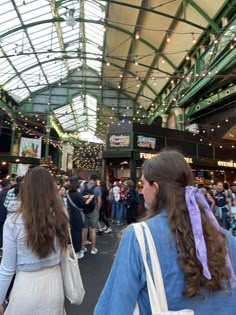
(126, 283)
(18, 256)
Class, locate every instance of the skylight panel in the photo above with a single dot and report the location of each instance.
(35, 11)
(8, 17)
(17, 89)
(89, 136)
(22, 62)
(6, 71)
(66, 118)
(52, 71)
(7, 24)
(94, 34)
(73, 63)
(96, 65)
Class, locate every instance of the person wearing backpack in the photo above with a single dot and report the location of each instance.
(133, 201)
(91, 213)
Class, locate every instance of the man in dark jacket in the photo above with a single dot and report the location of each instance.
(6, 185)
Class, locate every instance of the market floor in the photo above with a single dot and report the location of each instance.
(94, 270)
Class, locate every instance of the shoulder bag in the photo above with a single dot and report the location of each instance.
(72, 281)
(74, 205)
(155, 285)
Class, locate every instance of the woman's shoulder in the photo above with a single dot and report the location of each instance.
(156, 221)
(14, 224)
(14, 219)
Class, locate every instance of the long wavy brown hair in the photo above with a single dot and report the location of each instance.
(172, 173)
(42, 212)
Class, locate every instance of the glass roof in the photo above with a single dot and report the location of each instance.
(79, 117)
(39, 51)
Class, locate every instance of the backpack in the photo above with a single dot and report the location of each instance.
(85, 193)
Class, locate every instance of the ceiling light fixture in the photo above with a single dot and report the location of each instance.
(70, 19)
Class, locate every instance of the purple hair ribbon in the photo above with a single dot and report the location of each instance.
(192, 196)
(196, 222)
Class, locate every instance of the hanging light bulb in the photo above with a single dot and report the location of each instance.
(194, 39)
(137, 36)
(108, 64)
(167, 38)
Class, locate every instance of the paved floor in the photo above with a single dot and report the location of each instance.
(94, 271)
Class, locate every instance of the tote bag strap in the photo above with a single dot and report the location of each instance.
(156, 289)
(157, 274)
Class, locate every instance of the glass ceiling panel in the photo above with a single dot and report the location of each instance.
(5, 23)
(65, 117)
(44, 53)
(6, 71)
(94, 32)
(23, 62)
(34, 11)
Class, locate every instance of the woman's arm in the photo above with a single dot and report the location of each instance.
(125, 280)
(8, 264)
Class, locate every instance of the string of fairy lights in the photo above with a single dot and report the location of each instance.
(87, 155)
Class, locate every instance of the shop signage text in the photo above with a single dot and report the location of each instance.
(148, 156)
(117, 141)
(226, 164)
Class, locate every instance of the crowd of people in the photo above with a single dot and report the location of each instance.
(221, 198)
(188, 225)
(88, 204)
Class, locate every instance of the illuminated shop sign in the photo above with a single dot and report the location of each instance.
(119, 141)
(146, 142)
(188, 160)
(226, 164)
(148, 156)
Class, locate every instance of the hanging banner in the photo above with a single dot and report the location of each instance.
(29, 147)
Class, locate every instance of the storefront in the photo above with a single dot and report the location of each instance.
(130, 144)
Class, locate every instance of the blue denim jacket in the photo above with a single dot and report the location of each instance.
(18, 256)
(126, 283)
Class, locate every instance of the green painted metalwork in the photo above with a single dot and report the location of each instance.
(156, 58)
(203, 104)
(31, 45)
(216, 63)
(231, 56)
(157, 12)
(211, 22)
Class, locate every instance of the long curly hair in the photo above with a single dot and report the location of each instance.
(42, 212)
(172, 173)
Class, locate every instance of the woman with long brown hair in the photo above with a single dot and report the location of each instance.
(197, 257)
(33, 239)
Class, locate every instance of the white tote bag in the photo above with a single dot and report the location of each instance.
(155, 285)
(72, 281)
